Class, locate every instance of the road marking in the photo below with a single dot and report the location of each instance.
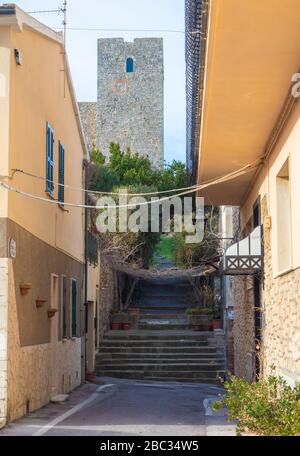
(207, 405)
(44, 429)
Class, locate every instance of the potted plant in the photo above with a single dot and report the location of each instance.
(216, 322)
(24, 288)
(129, 321)
(116, 320)
(200, 318)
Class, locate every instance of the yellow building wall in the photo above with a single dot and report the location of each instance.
(31, 95)
(37, 97)
(5, 55)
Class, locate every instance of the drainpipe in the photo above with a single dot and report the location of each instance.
(84, 350)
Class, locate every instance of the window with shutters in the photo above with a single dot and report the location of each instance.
(74, 308)
(61, 173)
(49, 160)
(64, 307)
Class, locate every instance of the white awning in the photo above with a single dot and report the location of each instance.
(245, 256)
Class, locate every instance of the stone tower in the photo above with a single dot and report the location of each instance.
(130, 106)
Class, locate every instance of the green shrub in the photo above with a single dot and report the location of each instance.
(200, 311)
(268, 407)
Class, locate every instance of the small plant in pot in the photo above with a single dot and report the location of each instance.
(216, 323)
(200, 318)
(128, 321)
(116, 320)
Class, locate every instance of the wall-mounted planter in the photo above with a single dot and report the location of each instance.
(52, 312)
(24, 288)
(39, 302)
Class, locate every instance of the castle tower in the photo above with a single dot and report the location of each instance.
(130, 107)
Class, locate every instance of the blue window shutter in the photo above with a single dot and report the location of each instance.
(49, 160)
(61, 174)
(74, 308)
(64, 308)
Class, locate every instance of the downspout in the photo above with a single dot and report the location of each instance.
(84, 354)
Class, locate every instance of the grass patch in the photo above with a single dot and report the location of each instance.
(165, 248)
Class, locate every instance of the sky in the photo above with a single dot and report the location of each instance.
(129, 15)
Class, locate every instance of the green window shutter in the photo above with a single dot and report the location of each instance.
(74, 308)
(61, 173)
(49, 160)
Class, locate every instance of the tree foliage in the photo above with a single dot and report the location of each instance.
(126, 169)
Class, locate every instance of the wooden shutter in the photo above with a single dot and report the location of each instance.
(74, 308)
(61, 174)
(49, 160)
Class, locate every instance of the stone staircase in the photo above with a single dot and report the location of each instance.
(163, 347)
(161, 355)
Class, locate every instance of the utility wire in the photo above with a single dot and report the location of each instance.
(225, 178)
(95, 192)
(16, 170)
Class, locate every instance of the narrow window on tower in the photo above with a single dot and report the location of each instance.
(130, 65)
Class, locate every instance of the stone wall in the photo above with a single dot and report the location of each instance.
(131, 105)
(3, 339)
(243, 331)
(88, 114)
(38, 372)
(281, 329)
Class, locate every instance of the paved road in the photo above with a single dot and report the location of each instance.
(129, 408)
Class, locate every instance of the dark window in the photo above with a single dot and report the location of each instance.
(64, 306)
(130, 65)
(74, 307)
(61, 173)
(49, 160)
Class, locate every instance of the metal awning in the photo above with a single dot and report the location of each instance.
(246, 256)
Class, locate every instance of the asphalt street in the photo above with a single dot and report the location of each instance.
(116, 407)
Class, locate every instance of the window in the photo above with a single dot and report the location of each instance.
(49, 160)
(64, 307)
(74, 307)
(284, 236)
(61, 173)
(130, 65)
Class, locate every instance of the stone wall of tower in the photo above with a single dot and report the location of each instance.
(131, 105)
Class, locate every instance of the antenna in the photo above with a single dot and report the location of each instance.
(64, 10)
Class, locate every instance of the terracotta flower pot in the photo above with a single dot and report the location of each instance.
(39, 302)
(24, 288)
(134, 311)
(52, 312)
(116, 325)
(197, 327)
(126, 326)
(216, 324)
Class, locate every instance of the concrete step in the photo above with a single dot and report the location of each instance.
(144, 357)
(108, 361)
(200, 376)
(171, 366)
(164, 301)
(160, 350)
(162, 325)
(154, 343)
(162, 314)
(136, 334)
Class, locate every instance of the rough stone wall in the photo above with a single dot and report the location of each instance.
(107, 297)
(131, 105)
(33, 377)
(243, 324)
(88, 114)
(3, 338)
(281, 329)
